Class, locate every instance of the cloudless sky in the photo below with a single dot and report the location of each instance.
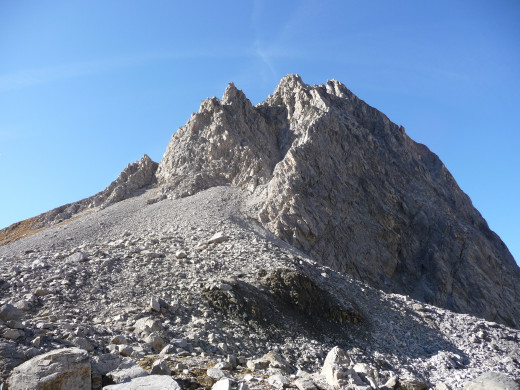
(87, 87)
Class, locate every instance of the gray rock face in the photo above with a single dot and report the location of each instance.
(227, 141)
(337, 179)
(59, 369)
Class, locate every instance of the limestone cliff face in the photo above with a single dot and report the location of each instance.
(227, 141)
(343, 183)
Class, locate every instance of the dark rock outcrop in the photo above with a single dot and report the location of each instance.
(337, 179)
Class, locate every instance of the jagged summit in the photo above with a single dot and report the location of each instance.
(342, 182)
(232, 95)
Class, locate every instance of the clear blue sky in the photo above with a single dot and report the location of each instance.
(89, 86)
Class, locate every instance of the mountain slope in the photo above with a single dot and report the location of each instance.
(92, 284)
(133, 178)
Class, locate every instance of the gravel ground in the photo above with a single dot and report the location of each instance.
(220, 288)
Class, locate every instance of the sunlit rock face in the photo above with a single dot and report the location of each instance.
(337, 179)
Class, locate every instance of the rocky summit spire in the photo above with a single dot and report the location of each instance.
(340, 181)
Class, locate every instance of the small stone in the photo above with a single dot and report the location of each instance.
(335, 365)
(36, 341)
(23, 305)
(168, 350)
(125, 350)
(39, 292)
(82, 343)
(154, 304)
(155, 341)
(180, 254)
(257, 364)
(278, 361)
(147, 325)
(217, 238)
(11, 334)
(232, 360)
(126, 374)
(8, 313)
(180, 343)
(413, 384)
(119, 339)
(155, 382)
(366, 373)
(215, 373)
(278, 381)
(222, 384)
(160, 367)
(304, 384)
(392, 382)
(223, 366)
(77, 258)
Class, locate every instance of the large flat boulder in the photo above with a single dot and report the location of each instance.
(61, 369)
(152, 382)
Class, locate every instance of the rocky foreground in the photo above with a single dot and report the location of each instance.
(154, 292)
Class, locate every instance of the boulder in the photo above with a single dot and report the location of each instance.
(8, 313)
(152, 382)
(493, 381)
(147, 325)
(335, 366)
(222, 384)
(61, 369)
(126, 373)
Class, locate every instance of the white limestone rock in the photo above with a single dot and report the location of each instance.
(160, 367)
(335, 367)
(126, 372)
(61, 369)
(331, 176)
(493, 381)
(152, 382)
(222, 384)
(147, 325)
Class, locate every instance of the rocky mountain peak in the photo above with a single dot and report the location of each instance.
(232, 95)
(239, 253)
(338, 180)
